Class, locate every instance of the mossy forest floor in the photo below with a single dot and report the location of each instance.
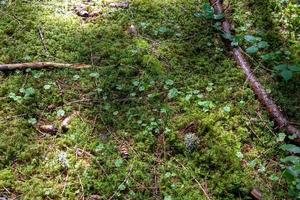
(172, 96)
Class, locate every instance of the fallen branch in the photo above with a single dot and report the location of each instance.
(273, 110)
(119, 5)
(41, 65)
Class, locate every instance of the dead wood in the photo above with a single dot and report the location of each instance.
(119, 5)
(41, 65)
(48, 128)
(256, 194)
(273, 110)
(65, 125)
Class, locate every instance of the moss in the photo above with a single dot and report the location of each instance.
(143, 92)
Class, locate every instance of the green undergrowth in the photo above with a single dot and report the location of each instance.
(172, 95)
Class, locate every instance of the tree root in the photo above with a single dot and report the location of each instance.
(41, 65)
(273, 110)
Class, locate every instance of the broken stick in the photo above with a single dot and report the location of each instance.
(41, 65)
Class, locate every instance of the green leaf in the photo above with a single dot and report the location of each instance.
(252, 50)
(28, 91)
(290, 148)
(169, 82)
(118, 162)
(292, 137)
(286, 74)
(294, 68)
(208, 10)
(291, 159)
(173, 93)
(250, 38)
(227, 109)
(168, 174)
(60, 113)
(266, 57)
(94, 75)
(234, 43)
(280, 137)
(219, 16)
(262, 45)
(32, 121)
(47, 87)
(274, 177)
(15, 97)
(135, 83)
(168, 198)
(163, 30)
(240, 155)
(228, 36)
(188, 97)
(76, 77)
(218, 26)
(281, 67)
(289, 174)
(122, 187)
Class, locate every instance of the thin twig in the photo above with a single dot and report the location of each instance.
(199, 184)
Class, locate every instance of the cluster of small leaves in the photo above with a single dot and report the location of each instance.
(208, 13)
(292, 167)
(27, 93)
(287, 71)
(256, 44)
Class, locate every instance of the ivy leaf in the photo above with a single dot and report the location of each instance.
(252, 50)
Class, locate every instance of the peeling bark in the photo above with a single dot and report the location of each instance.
(41, 65)
(273, 110)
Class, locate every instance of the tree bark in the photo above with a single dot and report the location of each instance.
(273, 110)
(41, 65)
